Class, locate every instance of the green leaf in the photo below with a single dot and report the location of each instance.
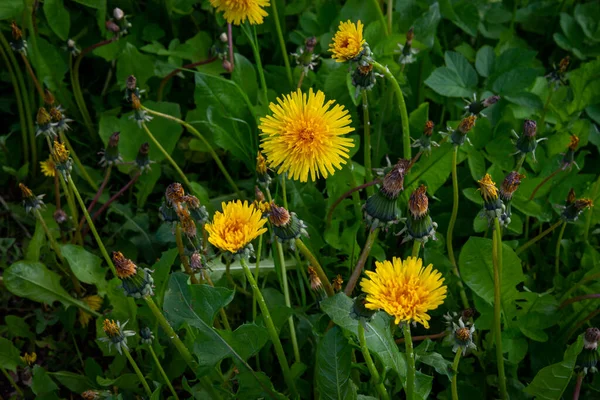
(10, 9)
(58, 18)
(17, 327)
(245, 76)
(477, 270)
(423, 385)
(439, 363)
(42, 383)
(551, 381)
(515, 81)
(332, 373)
(92, 3)
(377, 333)
(588, 17)
(132, 62)
(74, 382)
(123, 381)
(9, 355)
(85, 265)
(459, 64)
(247, 340)
(426, 25)
(34, 281)
(36, 243)
(484, 61)
(161, 269)
(251, 389)
(446, 82)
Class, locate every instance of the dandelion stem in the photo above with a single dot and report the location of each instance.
(184, 260)
(355, 199)
(256, 275)
(271, 329)
(416, 247)
(97, 196)
(302, 74)
(183, 351)
(367, 141)
(419, 338)
(92, 226)
(579, 284)
(580, 298)
(520, 162)
(542, 183)
(78, 163)
(361, 262)
(286, 295)
(496, 249)
(166, 79)
(114, 197)
(410, 362)
(463, 294)
(557, 252)
(36, 83)
(137, 371)
(195, 132)
(454, 378)
(390, 13)
(383, 394)
(72, 207)
(12, 382)
(286, 59)
(312, 260)
(252, 39)
(578, 385)
(56, 248)
(401, 105)
(162, 372)
(348, 193)
(230, 45)
(532, 241)
(588, 219)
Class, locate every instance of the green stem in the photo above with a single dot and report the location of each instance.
(367, 141)
(137, 371)
(451, 224)
(71, 205)
(402, 106)
(284, 191)
(410, 362)
(416, 248)
(168, 157)
(557, 252)
(255, 51)
(24, 93)
(383, 394)
(91, 225)
(532, 241)
(312, 260)
(520, 162)
(542, 125)
(271, 329)
(286, 59)
(183, 351)
(361, 262)
(182, 257)
(286, 296)
(56, 248)
(588, 219)
(162, 372)
(454, 378)
(497, 311)
(212, 152)
(12, 382)
(390, 5)
(256, 275)
(78, 163)
(579, 284)
(85, 114)
(355, 198)
(542, 183)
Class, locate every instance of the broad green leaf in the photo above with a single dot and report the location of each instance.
(515, 80)
(447, 83)
(10, 8)
(426, 25)
(161, 270)
(250, 389)
(423, 385)
(58, 18)
(17, 327)
(588, 15)
(332, 373)
(9, 355)
(92, 3)
(36, 243)
(459, 64)
(377, 332)
(34, 281)
(417, 120)
(85, 265)
(484, 61)
(439, 363)
(365, 11)
(477, 270)
(467, 17)
(42, 383)
(51, 64)
(132, 62)
(551, 381)
(123, 381)
(245, 76)
(74, 382)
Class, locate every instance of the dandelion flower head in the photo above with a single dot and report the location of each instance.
(348, 41)
(236, 226)
(404, 289)
(238, 11)
(304, 136)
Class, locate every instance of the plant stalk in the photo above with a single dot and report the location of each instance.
(454, 378)
(416, 248)
(137, 371)
(97, 196)
(361, 262)
(12, 382)
(578, 385)
(557, 251)
(286, 59)
(184, 260)
(367, 142)
(315, 264)
(496, 248)
(271, 329)
(532, 241)
(383, 394)
(162, 372)
(78, 163)
(286, 295)
(410, 362)
(402, 106)
(542, 183)
(252, 39)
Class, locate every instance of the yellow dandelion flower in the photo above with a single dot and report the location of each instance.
(404, 289)
(238, 11)
(304, 135)
(94, 302)
(348, 41)
(29, 359)
(487, 188)
(236, 226)
(48, 168)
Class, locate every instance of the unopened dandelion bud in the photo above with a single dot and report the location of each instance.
(574, 207)
(407, 52)
(18, 44)
(131, 82)
(60, 217)
(90, 395)
(31, 202)
(588, 358)
(381, 209)
(359, 309)
(227, 66)
(258, 195)
(142, 160)
(286, 226)
(136, 282)
(42, 117)
(188, 227)
(529, 128)
(223, 37)
(410, 35)
(310, 43)
(196, 262)
(564, 64)
(419, 225)
(428, 130)
(45, 127)
(489, 101)
(136, 104)
(115, 335)
(139, 114)
(424, 143)
(118, 14)
(569, 156)
(493, 207)
(60, 156)
(337, 283)
(510, 185)
(111, 155)
(315, 282)
(459, 135)
(363, 77)
(16, 31)
(146, 336)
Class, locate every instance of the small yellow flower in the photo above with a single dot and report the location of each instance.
(48, 168)
(29, 359)
(111, 328)
(261, 164)
(573, 143)
(487, 188)
(94, 302)
(348, 41)
(304, 135)
(236, 226)
(60, 154)
(404, 289)
(238, 11)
